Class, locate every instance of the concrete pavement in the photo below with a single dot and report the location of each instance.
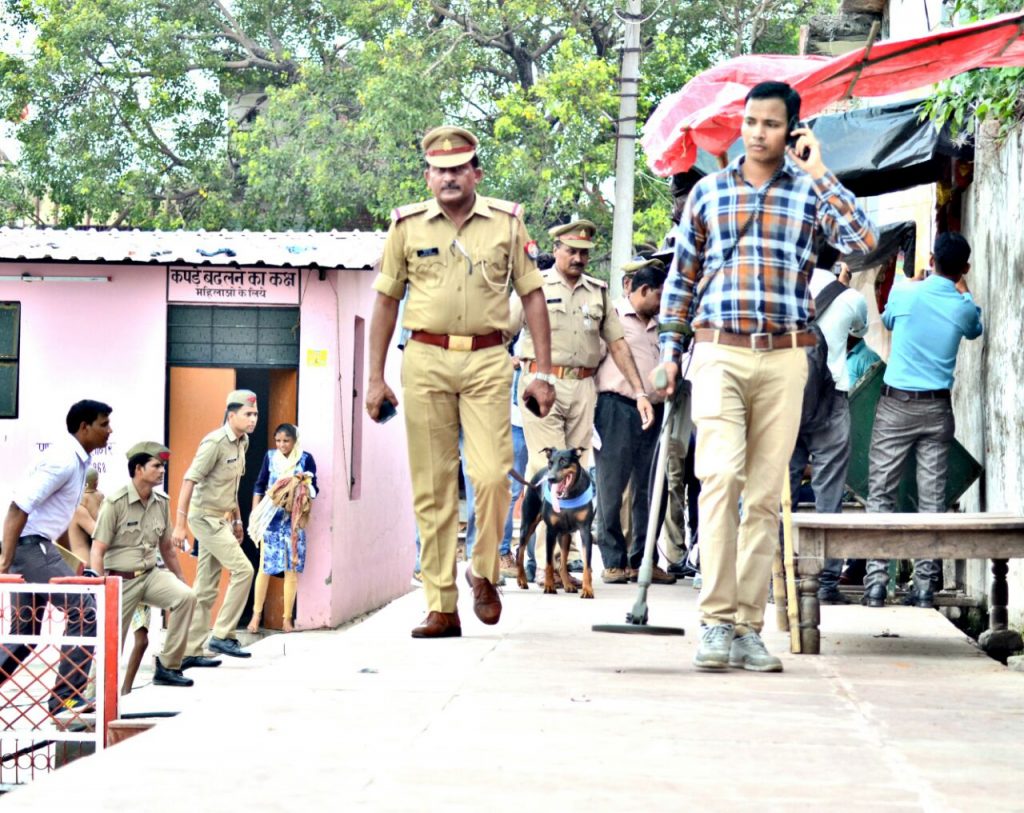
(900, 712)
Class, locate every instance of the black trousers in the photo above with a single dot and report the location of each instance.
(624, 458)
(38, 560)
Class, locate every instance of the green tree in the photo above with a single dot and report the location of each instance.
(307, 113)
(987, 93)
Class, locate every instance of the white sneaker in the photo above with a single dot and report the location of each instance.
(715, 647)
(748, 652)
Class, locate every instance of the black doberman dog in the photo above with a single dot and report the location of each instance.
(563, 497)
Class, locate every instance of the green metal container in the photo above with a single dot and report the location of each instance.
(963, 469)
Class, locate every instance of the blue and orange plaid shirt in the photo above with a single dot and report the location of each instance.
(760, 284)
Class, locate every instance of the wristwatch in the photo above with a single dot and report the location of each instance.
(547, 378)
(640, 395)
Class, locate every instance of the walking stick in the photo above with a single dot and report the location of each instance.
(792, 608)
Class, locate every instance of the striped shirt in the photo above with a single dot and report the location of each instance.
(760, 284)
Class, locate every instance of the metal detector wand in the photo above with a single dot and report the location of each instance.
(636, 619)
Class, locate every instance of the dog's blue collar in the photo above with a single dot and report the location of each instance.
(572, 502)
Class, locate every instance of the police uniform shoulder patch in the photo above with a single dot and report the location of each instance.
(506, 206)
(409, 209)
(531, 250)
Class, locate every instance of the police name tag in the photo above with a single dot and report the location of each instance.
(427, 252)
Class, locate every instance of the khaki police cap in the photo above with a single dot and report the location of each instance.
(448, 146)
(243, 397)
(150, 447)
(639, 262)
(578, 234)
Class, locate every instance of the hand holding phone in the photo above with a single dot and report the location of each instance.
(796, 124)
(386, 412)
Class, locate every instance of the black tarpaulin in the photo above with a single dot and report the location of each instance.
(872, 151)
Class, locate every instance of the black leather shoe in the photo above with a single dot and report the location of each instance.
(916, 598)
(227, 646)
(832, 596)
(874, 596)
(163, 676)
(682, 569)
(198, 660)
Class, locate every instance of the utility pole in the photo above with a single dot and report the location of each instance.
(625, 147)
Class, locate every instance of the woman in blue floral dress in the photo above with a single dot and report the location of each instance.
(271, 526)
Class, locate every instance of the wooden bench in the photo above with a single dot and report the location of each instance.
(817, 537)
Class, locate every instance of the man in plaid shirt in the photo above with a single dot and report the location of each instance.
(744, 253)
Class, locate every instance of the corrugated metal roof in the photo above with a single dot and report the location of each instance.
(352, 249)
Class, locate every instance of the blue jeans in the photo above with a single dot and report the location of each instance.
(520, 455)
(828, 450)
(470, 511)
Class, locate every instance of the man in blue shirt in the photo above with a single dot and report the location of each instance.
(914, 414)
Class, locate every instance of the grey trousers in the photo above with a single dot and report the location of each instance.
(828, 451)
(38, 561)
(902, 427)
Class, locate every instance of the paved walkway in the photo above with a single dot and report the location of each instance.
(900, 712)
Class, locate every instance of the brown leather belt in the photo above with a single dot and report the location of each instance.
(757, 341)
(565, 372)
(464, 343)
(127, 575)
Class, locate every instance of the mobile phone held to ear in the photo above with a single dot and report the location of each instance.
(795, 123)
(532, 405)
(386, 412)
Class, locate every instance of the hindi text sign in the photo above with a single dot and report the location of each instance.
(233, 286)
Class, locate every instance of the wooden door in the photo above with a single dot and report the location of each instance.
(196, 408)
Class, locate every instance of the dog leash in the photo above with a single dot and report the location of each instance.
(515, 475)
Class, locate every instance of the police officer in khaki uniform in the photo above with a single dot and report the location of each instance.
(131, 525)
(457, 254)
(209, 499)
(581, 315)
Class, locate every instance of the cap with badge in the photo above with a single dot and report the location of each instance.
(448, 146)
(243, 397)
(150, 447)
(578, 234)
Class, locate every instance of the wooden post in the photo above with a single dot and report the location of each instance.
(792, 608)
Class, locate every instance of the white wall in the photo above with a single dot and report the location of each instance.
(989, 394)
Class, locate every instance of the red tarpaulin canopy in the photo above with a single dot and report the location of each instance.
(708, 111)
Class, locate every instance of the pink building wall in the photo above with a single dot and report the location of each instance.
(371, 530)
(108, 341)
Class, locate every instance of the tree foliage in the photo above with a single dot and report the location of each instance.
(986, 93)
(307, 113)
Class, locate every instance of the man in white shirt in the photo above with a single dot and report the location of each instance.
(38, 517)
(840, 312)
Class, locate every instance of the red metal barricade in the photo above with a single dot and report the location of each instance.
(38, 654)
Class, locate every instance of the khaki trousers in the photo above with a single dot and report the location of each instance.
(217, 548)
(569, 424)
(746, 406)
(442, 390)
(162, 589)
